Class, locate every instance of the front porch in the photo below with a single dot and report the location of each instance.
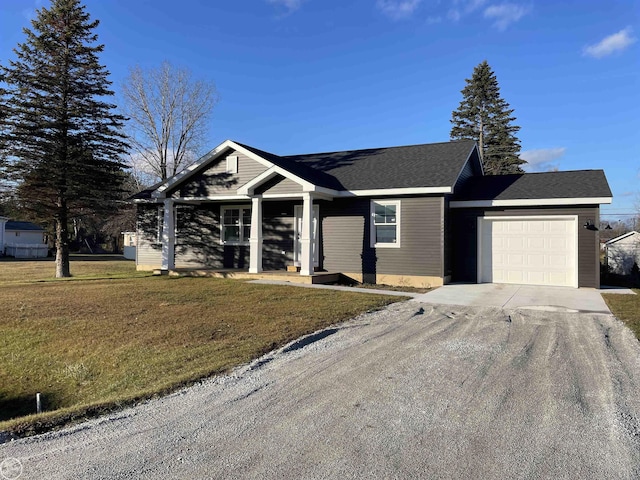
(243, 239)
(245, 274)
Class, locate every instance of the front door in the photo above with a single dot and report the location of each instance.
(297, 248)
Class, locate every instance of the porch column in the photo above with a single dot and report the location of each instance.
(255, 240)
(306, 239)
(168, 237)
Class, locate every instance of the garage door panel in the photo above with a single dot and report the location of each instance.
(536, 243)
(529, 251)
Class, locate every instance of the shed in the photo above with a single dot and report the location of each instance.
(24, 240)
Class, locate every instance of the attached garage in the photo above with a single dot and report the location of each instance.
(528, 229)
(528, 250)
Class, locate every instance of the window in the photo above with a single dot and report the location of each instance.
(232, 164)
(235, 225)
(385, 224)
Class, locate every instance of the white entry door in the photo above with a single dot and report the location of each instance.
(529, 251)
(297, 247)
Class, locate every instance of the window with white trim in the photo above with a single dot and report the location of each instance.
(232, 164)
(235, 225)
(385, 223)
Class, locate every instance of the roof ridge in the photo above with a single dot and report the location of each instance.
(375, 148)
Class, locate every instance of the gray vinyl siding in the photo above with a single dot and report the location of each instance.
(215, 181)
(465, 238)
(346, 238)
(198, 238)
(282, 186)
(148, 249)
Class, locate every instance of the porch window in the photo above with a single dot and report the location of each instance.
(385, 224)
(235, 225)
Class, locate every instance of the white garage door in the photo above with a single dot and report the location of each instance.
(530, 251)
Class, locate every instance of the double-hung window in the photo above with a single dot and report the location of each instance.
(235, 225)
(385, 223)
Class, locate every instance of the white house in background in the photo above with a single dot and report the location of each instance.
(3, 221)
(622, 252)
(129, 242)
(24, 240)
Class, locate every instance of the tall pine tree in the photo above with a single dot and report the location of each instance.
(64, 139)
(485, 117)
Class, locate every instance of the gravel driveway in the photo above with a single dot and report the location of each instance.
(413, 391)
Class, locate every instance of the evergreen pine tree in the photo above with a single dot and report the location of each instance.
(64, 139)
(485, 117)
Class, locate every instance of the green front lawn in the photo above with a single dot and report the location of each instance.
(110, 337)
(626, 308)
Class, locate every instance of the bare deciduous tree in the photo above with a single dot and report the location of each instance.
(168, 113)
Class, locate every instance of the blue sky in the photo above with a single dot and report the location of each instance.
(302, 76)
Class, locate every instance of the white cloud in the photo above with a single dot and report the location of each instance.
(611, 44)
(540, 160)
(398, 9)
(505, 14)
(463, 7)
(289, 5)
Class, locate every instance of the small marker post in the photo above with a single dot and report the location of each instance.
(38, 403)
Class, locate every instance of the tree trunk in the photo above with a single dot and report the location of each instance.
(62, 241)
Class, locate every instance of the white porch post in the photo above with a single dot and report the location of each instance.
(255, 240)
(168, 237)
(306, 239)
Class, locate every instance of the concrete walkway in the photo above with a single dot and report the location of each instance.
(338, 287)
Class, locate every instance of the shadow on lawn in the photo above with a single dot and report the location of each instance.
(73, 258)
(14, 407)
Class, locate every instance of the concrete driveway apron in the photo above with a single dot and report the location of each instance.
(561, 299)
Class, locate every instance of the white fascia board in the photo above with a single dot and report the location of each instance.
(529, 202)
(249, 187)
(148, 200)
(221, 198)
(192, 169)
(618, 238)
(393, 191)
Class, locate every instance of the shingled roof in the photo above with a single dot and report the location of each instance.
(427, 165)
(22, 226)
(531, 186)
(413, 166)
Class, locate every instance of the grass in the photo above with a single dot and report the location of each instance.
(626, 308)
(111, 337)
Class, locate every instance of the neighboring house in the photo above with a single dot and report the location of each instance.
(416, 215)
(24, 240)
(3, 221)
(129, 245)
(622, 252)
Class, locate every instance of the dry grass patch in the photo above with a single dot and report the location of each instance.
(83, 267)
(90, 346)
(626, 308)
